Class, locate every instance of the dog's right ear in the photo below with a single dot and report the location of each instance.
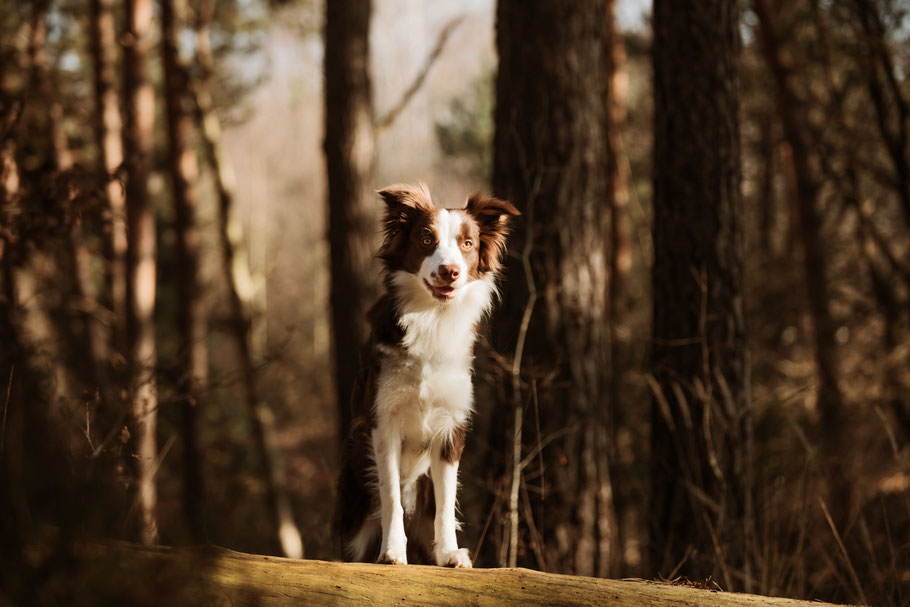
(403, 203)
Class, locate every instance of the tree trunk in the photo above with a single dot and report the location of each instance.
(262, 420)
(223, 577)
(804, 187)
(353, 211)
(765, 195)
(138, 144)
(551, 156)
(79, 324)
(190, 305)
(892, 110)
(108, 137)
(701, 508)
(620, 261)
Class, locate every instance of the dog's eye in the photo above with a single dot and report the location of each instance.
(467, 245)
(426, 241)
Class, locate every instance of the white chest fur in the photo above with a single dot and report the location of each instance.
(424, 389)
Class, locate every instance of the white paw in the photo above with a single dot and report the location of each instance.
(458, 558)
(394, 556)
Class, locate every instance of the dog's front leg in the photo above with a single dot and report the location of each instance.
(445, 485)
(387, 449)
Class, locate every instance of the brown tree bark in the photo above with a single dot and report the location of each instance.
(765, 198)
(138, 143)
(191, 327)
(349, 152)
(892, 113)
(76, 313)
(224, 577)
(550, 158)
(892, 109)
(619, 263)
(108, 126)
(262, 420)
(804, 186)
(701, 507)
(618, 198)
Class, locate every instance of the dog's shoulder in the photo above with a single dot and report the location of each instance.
(383, 320)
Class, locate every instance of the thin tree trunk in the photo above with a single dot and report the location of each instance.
(620, 260)
(804, 186)
(766, 198)
(190, 305)
(551, 153)
(885, 91)
(79, 326)
(262, 420)
(90, 352)
(349, 152)
(9, 168)
(701, 506)
(41, 83)
(138, 142)
(14, 394)
(9, 183)
(892, 111)
(46, 316)
(108, 138)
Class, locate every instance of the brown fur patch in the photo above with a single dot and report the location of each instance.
(492, 215)
(470, 232)
(452, 449)
(414, 251)
(384, 322)
(409, 210)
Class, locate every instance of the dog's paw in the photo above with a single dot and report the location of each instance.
(458, 559)
(394, 556)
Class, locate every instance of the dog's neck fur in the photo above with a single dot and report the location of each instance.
(439, 332)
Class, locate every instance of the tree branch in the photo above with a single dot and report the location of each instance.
(386, 120)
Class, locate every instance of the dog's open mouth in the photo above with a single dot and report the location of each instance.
(441, 292)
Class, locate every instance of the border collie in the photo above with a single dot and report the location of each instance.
(411, 404)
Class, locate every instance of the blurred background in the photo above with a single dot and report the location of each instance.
(187, 221)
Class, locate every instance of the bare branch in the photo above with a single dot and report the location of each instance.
(516, 378)
(386, 120)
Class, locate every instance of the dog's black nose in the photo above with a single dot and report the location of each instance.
(449, 272)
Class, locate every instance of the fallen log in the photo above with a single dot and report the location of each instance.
(223, 577)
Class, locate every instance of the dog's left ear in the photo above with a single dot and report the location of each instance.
(492, 215)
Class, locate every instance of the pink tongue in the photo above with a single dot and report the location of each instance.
(444, 291)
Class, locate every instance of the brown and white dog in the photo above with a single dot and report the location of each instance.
(411, 406)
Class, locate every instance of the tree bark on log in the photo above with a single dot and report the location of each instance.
(223, 577)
